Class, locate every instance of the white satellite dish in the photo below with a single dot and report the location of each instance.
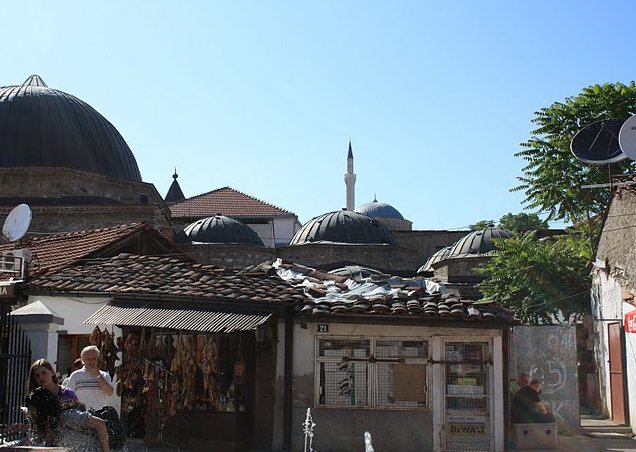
(17, 222)
(627, 138)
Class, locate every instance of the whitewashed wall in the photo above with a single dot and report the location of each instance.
(74, 310)
(607, 307)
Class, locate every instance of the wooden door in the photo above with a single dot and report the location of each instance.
(614, 333)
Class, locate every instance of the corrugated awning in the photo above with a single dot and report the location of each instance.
(176, 319)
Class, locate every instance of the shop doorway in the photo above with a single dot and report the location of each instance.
(468, 396)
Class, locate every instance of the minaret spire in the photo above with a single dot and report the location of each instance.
(350, 180)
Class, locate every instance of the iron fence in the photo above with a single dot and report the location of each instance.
(15, 360)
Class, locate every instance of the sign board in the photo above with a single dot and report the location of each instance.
(323, 327)
(6, 291)
(468, 433)
(630, 322)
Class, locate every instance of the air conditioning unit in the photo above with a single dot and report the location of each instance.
(9, 262)
(16, 261)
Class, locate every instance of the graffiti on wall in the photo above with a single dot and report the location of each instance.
(548, 353)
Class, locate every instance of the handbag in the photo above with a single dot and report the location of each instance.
(116, 431)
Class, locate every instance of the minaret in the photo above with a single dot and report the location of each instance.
(350, 181)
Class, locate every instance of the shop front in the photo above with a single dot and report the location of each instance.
(187, 377)
(412, 387)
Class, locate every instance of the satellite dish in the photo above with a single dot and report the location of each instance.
(627, 138)
(598, 142)
(17, 222)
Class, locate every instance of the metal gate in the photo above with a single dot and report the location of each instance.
(15, 361)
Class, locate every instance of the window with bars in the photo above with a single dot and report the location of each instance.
(372, 372)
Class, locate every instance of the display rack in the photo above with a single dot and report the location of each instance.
(159, 388)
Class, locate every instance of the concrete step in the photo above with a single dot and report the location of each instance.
(601, 427)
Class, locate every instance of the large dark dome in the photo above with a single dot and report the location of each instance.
(343, 226)
(221, 229)
(44, 127)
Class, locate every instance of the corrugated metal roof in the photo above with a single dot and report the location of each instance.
(176, 319)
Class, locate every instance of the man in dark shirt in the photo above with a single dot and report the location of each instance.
(527, 407)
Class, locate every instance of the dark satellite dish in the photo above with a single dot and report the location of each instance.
(598, 142)
(627, 138)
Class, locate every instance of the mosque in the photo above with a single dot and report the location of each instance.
(73, 168)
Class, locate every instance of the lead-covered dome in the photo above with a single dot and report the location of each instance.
(377, 209)
(478, 242)
(343, 226)
(44, 127)
(436, 257)
(221, 229)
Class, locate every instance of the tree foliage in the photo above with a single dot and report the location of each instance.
(482, 224)
(522, 222)
(542, 280)
(553, 176)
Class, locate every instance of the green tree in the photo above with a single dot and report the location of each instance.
(482, 224)
(543, 281)
(553, 176)
(522, 222)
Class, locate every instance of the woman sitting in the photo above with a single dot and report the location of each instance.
(43, 375)
(66, 425)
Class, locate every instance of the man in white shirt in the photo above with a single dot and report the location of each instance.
(91, 385)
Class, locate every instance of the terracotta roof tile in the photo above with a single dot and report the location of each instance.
(225, 201)
(53, 251)
(165, 276)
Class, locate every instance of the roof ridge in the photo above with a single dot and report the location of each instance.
(233, 190)
(68, 234)
(258, 199)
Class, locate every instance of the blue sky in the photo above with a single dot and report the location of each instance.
(263, 96)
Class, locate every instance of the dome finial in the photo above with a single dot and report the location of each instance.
(35, 80)
(375, 198)
(175, 175)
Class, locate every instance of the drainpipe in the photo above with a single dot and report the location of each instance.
(287, 382)
(505, 347)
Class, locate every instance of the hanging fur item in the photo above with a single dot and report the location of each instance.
(96, 337)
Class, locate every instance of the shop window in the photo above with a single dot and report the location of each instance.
(386, 373)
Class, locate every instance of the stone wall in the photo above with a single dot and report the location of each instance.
(387, 258)
(63, 199)
(548, 353)
(427, 242)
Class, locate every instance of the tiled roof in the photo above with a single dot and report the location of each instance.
(53, 251)
(128, 274)
(225, 201)
(329, 294)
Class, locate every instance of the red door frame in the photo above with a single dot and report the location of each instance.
(616, 372)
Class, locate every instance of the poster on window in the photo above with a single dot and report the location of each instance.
(468, 433)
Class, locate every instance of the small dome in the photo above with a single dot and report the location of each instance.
(221, 229)
(343, 226)
(478, 242)
(437, 256)
(44, 127)
(377, 209)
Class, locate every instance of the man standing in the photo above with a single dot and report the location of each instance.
(527, 406)
(91, 385)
